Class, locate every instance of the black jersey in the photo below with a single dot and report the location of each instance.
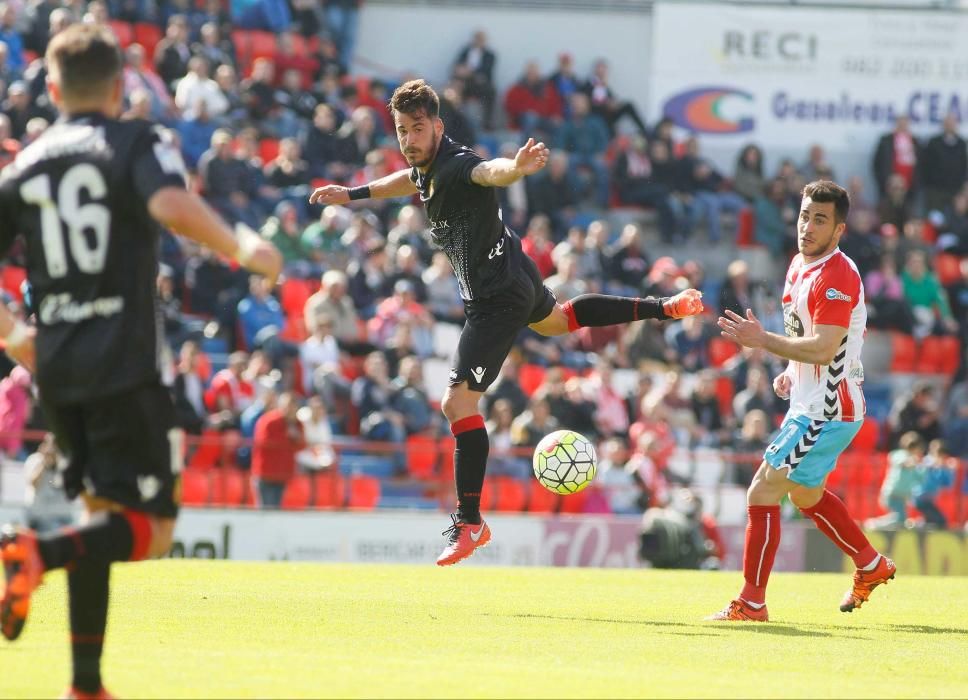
(79, 196)
(465, 222)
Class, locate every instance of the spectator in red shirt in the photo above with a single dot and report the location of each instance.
(287, 58)
(230, 391)
(278, 438)
(537, 244)
(533, 105)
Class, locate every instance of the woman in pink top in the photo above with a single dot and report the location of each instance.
(14, 410)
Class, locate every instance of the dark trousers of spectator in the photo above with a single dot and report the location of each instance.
(932, 515)
(269, 492)
(649, 194)
(612, 116)
(890, 314)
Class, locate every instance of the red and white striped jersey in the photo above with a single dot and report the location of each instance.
(828, 291)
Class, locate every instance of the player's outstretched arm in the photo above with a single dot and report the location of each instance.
(188, 215)
(501, 172)
(817, 349)
(396, 184)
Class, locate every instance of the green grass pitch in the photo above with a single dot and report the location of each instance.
(228, 629)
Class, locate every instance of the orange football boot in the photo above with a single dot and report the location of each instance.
(867, 581)
(739, 610)
(463, 539)
(24, 571)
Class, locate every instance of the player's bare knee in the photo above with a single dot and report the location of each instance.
(803, 497)
(162, 534)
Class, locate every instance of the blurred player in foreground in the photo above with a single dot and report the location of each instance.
(825, 319)
(500, 286)
(86, 197)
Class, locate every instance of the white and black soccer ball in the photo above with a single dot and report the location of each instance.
(564, 462)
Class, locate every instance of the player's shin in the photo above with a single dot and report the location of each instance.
(470, 462)
(832, 519)
(88, 587)
(762, 542)
(606, 310)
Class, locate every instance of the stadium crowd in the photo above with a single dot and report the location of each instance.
(261, 98)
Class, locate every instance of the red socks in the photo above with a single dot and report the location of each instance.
(762, 542)
(832, 519)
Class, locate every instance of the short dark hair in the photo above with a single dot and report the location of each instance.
(824, 191)
(85, 58)
(413, 97)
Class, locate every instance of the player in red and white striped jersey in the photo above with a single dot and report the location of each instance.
(825, 319)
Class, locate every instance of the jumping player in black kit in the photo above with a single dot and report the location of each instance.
(500, 285)
(86, 197)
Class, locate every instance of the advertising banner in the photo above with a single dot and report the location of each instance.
(785, 77)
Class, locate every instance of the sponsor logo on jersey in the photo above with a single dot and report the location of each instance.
(496, 250)
(478, 373)
(61, 308)
(837, 295)
(148, 487)
(793, 325)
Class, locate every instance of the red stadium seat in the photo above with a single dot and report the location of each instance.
(364, 492)
(540, 499)
(196, 487)
(512, 495)
(530, 377)
(947, 267)
(867, 436)
(720, 350)
(208, 450)
(300, 46)
(296, 495)
(904, 352)
(262, 44)
(230, 487)
(294, 329)
(148, 35)
(123, 31)
(328, 490)
(930, 356)
(950, 354)
(574, 503)
(421, 456)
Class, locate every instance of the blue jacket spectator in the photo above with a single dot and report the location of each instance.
(260, 315)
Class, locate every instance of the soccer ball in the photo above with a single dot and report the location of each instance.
(564, 462)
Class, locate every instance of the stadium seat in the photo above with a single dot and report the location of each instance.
(721, 350)
(446, 451)
(540, 499)
(328, 490)
(530, 377)
(148, 35)
(867, 436)
(123, 31)
(950, 354)
(262, 44)
(294, 329)
(511, 495)
(575, 503)
(230, 487)
(947, 267)
(930, 356)
(421, 456)
(208, 450)
(195, 487)
(297, 494)
(364, 492)
(300, 45)
(903, 352)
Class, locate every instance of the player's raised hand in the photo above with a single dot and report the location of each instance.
(745, 331)
(531, 157)
(330, 194)
(686, 303)
(782, 385)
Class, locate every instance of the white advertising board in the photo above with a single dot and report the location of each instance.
(787, 77)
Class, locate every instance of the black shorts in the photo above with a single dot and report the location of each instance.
(119, 448)
(493, 324)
